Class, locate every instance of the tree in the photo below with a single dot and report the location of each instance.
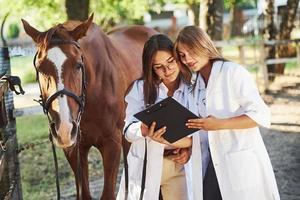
(211, 18)
(288, 14)
(237, 19)
(194, 6)
(77, 9)
(45, 13)
(42, 13)
(286, 26)
(270, 33)
(108, 13)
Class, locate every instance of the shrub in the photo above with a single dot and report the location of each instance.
(13, 31)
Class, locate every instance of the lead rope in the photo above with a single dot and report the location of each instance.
(144, 172)
(125, 161)
(126, 167)
(56, 166)
(79, 171)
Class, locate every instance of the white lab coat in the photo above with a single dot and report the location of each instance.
(135, 157)
(240, 159)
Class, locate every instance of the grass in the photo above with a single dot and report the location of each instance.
(37, 168)
(32, 128)
(37, 165)
(23, 67)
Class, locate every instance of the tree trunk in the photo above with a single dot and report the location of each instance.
(236, 20)
(195, 7)
(286, 27)
(270, 33)
(77, 9)
(212, 18)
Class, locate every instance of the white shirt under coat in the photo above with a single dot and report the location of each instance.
(135, 101)
(201, 104)
(240, 159)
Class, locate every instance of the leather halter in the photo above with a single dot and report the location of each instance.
(79, 99)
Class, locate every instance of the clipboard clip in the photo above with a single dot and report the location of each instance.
(156, 108)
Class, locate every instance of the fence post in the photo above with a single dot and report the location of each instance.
(10, 182)
(298, 54)
(242, 54)
(263, 69)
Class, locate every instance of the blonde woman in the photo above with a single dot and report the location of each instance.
(235, 163)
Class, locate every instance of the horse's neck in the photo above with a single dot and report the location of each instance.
(104, 64)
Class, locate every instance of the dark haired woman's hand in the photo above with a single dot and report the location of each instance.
(144, 130)
(157, 135)
(182, 155)
(210, 123)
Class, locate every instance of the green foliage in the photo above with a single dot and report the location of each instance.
(22, 67)
(244, 4)
(42, 14)
(13, 31)
(109, 12)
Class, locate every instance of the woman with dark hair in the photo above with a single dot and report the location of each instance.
(228, 151)
(162, 77)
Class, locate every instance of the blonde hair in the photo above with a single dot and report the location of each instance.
(196, 40)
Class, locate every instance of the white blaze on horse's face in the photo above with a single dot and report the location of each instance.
(60, 105)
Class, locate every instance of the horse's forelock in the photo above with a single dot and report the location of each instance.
(56, 32)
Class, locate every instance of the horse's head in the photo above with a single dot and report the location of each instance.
(61, 74)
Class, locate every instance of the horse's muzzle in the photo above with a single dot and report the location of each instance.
(66, 138)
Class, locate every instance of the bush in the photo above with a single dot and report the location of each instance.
(13, 31)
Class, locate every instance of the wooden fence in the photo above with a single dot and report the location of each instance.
(9, 164)
(259, 60)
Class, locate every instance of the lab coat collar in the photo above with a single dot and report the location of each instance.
(215, 71)
(163, 90)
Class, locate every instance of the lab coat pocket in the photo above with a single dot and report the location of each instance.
(243, 169)
(135, 168)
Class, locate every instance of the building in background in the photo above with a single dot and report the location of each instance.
(169, 20)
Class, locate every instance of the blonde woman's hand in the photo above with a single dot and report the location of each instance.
(210, 123)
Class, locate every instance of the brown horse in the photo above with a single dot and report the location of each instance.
(83, 75)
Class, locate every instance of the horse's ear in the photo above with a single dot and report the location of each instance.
(32, 32)
(81, 30)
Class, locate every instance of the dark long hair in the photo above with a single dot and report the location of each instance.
(159, 42)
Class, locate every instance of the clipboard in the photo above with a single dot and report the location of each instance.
(171, 114)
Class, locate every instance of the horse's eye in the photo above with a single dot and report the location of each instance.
(79, 65)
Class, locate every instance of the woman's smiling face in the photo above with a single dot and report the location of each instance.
(165, 66)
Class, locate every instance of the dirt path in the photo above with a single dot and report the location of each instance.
(283, 138)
